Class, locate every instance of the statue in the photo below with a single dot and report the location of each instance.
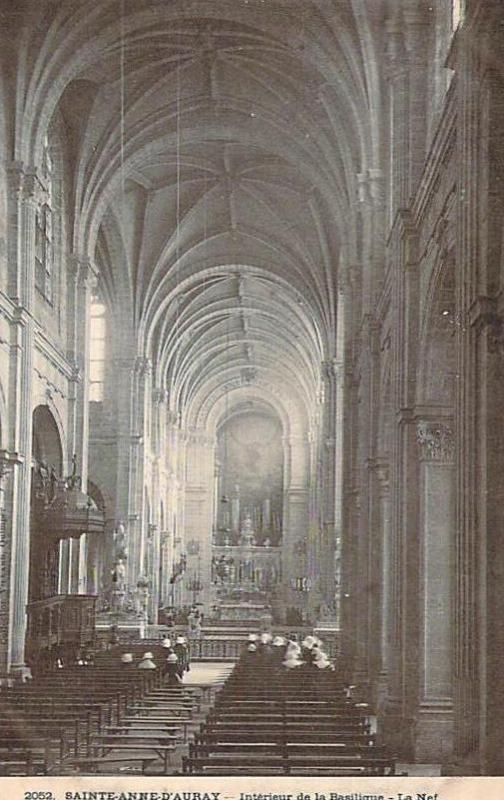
(120, 541)
(53, 478)
(73, 481)
(119, 576)
(142, 597)
(43, 472)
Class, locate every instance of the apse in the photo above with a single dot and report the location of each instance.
(250, 467)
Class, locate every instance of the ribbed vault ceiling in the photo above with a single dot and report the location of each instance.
(216, 146)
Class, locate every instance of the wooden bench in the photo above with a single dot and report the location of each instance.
(93, 763)
(133, 719)
(289, 764)
(23, 761)
(207, 739)
(265, 763)
(175, 711)
(134, 744)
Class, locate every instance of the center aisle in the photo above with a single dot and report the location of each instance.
(208, 673)
(269, 719)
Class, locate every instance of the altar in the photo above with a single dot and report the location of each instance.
(244, 576)
(244, 612)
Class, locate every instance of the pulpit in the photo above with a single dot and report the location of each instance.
(59, 627)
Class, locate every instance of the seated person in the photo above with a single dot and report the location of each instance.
(147, 661)
(172, 670)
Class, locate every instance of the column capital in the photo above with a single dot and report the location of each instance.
(199, 437)
(172, 417)
(349, 278)
(7, 463)
(24, 182)
(143, 365)
(160, 395)
(371, 188)
(436, 441)
(329, 369)
(77, 374)
(82, 270)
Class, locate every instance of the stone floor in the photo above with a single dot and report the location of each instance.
(419, 770)
(208, 672)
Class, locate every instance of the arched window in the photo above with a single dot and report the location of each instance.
(98, 327)
(44, 254)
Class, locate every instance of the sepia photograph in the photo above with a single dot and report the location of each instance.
(251, 398)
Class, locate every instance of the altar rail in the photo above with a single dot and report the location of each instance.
(208, 648)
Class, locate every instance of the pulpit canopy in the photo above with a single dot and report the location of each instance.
(61, 508)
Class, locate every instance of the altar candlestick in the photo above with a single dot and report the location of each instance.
(266, 514)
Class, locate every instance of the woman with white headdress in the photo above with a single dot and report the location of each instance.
(292, 660)
(279, 646)
(147, 661)
(307, 646)
(321, 660)
(172, 670)
(182, 654)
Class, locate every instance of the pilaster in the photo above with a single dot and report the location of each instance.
(434, 720)
(81, 281)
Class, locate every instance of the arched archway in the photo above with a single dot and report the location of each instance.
(45, 555)
(99, 548)
(47, 446)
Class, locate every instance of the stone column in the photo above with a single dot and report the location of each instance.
(397, 69)
(397, 723)
(479, 635)
(300, 525)
(434, 722)
(94, 557)
(25, 195)
(367, 547)
(140, 433)
(328, 485)
(348, 285)
(64, 566)
(383, 477)
(82, 573)
(198, 511)
(82, 279)
(132, 397)
(416, 23)
(153, 571)
(166, 567)
(74, 561)
(6, 465)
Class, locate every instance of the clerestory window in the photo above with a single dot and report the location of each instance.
(98, 326)
(44, 253)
